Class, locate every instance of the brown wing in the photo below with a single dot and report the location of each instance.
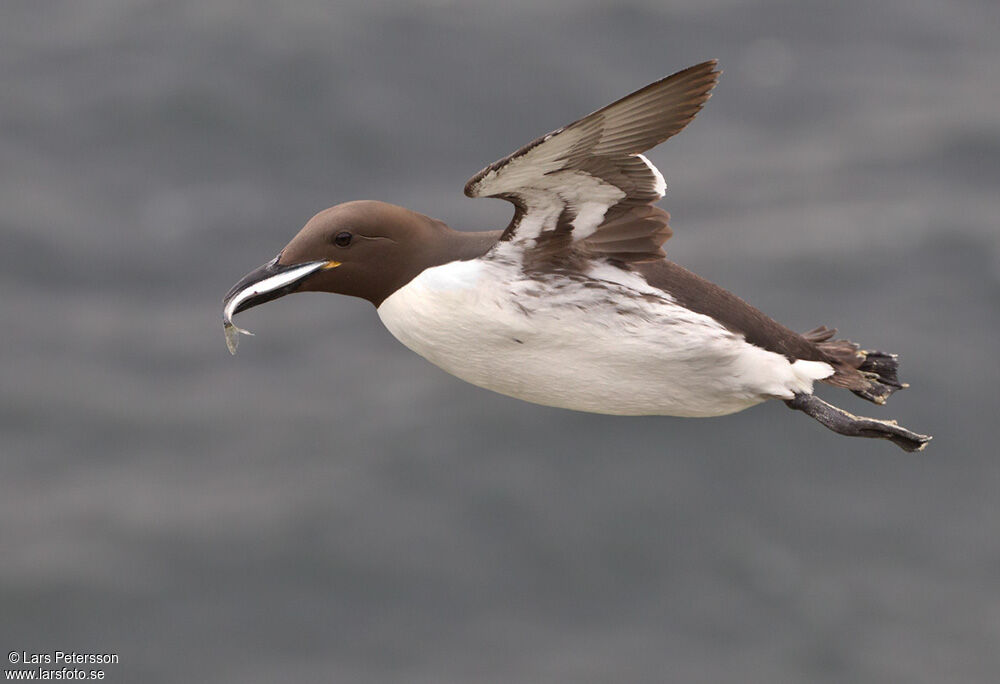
(587, 185)
(697, 294)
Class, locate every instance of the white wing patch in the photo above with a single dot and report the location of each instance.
(540, 180)
(661, 184)
(589, 216)
(524, 172)
(548, 195)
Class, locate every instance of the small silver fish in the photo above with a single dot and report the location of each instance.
(233, 335)
(259, 286)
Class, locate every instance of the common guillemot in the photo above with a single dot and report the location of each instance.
(574, 303)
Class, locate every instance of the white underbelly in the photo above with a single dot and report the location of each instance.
(578, 348)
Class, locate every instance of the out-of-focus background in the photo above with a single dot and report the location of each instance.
(327, 506)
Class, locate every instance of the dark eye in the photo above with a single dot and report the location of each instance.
(342, 239)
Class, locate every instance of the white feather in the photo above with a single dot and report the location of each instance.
(661, 183)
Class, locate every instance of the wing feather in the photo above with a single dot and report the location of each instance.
(582, 185)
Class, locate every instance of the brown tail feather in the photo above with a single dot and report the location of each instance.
(869, 374)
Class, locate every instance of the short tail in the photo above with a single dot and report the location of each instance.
(871, 375)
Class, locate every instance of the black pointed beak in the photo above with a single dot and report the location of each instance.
(270, 281)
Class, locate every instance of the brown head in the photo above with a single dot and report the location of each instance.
(364, 249)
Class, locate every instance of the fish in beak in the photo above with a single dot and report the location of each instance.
(270, 281)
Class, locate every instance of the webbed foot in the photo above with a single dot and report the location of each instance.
(845, 423)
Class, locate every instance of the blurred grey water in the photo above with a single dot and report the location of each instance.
(328, 507)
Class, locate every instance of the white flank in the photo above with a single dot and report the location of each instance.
(604, 349)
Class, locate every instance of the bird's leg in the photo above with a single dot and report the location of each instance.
(844, 423)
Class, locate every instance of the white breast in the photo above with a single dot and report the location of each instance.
(607, 344)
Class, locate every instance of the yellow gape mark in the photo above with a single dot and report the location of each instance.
(330, 264)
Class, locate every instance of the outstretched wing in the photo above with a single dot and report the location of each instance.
(587, 186)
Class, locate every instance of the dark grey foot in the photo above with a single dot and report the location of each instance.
(844, 423)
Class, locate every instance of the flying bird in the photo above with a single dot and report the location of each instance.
(574, 304)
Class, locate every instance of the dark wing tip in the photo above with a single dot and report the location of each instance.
(661, 110)
(640, 117)
(709, 66)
